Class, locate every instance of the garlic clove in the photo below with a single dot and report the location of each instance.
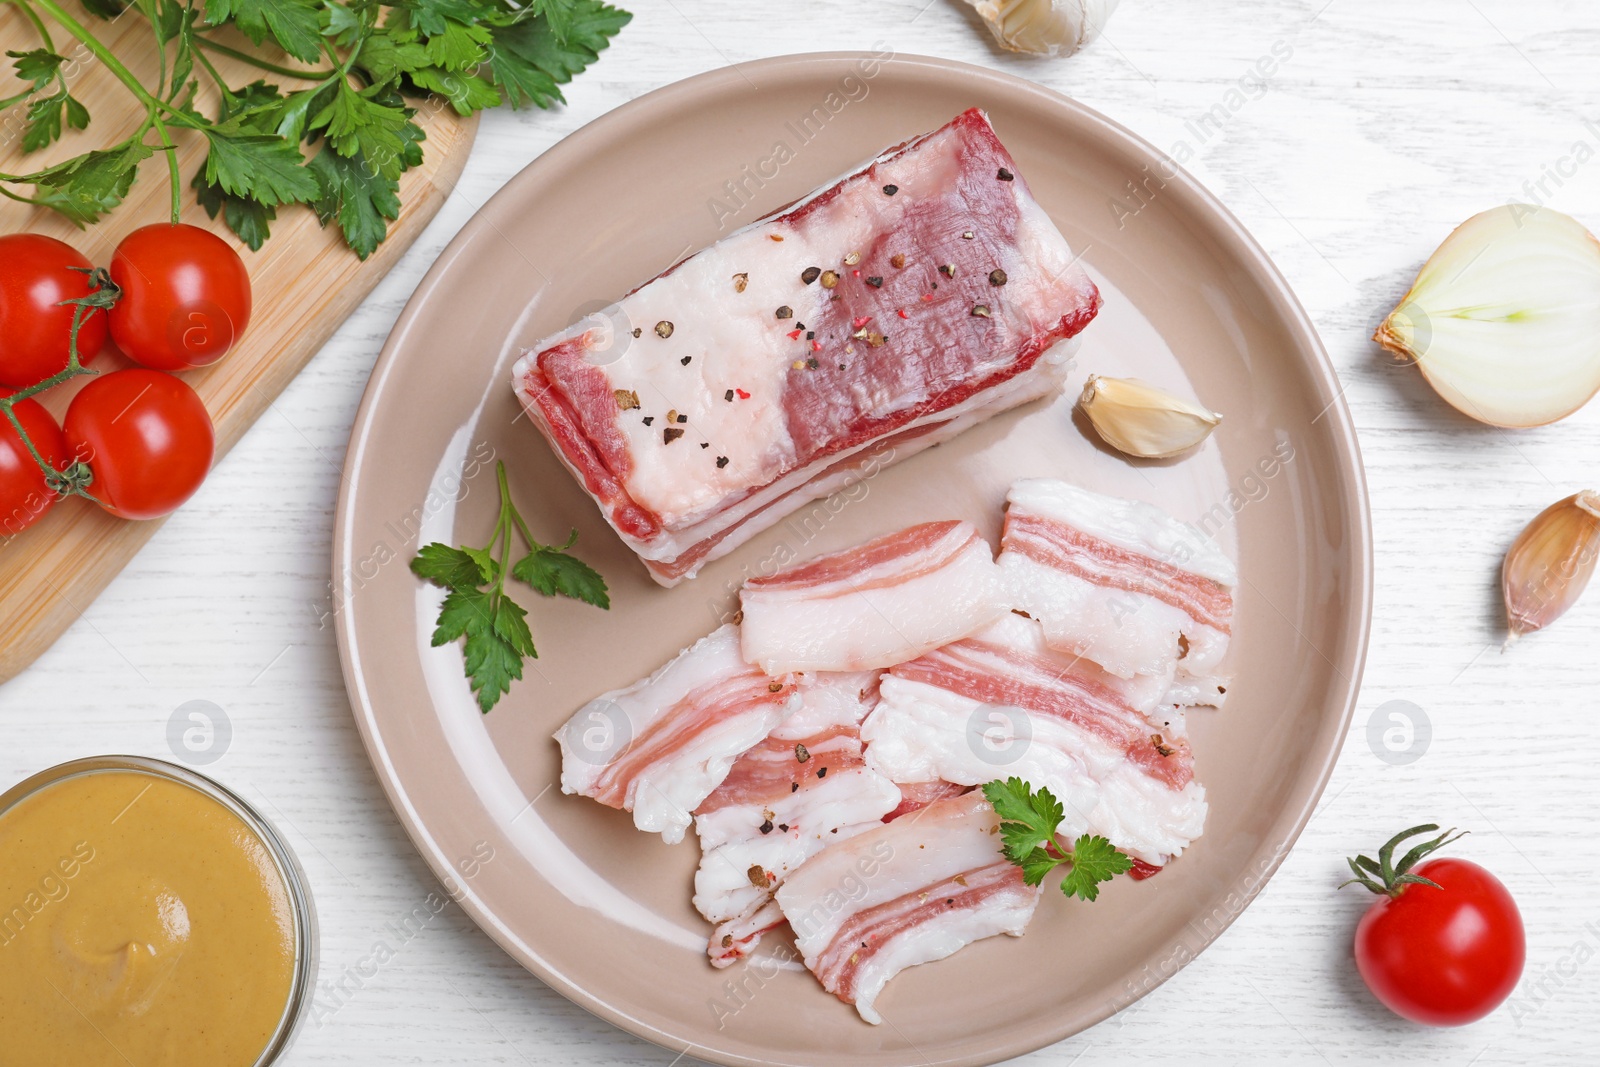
(1044, 27)
(1504, 318)
(1550, 563)
(1141, 420)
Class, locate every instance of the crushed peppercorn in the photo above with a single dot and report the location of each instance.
(967, 235)
(774, 687)
(757, 875)
(637, 331)
(728, 396)
(822, 772)
(897, 260)
(948, 270)
(829, 279)
(685, 360)
(810, 274)
(801, 753)
(980, 311)
(997, 277)
(890, 190)
(627, 399)
(766, 826)
(663, 329)
(722, 461)
(875, 282)
(784, 312)
(648, 419)
(670, 434)
(1005, 175)
(740, 281)
(852, 258)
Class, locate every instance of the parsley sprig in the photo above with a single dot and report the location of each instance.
(1028, 823)
(336, 139)
(478, 607)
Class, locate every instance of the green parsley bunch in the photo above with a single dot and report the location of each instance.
(335, 134)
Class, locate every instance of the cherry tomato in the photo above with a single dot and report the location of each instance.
(34, 328)
(185, 296)
(24, 495)
(1443, 956)
(147, 438)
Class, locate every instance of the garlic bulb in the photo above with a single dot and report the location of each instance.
(1044, 27)
(1144, 421)
(1550, 563)
(1504, 319)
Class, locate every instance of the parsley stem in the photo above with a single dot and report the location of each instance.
(171, 152)
(270, 68)
(38, 23)
(102, 53)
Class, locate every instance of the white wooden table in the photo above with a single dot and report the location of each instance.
(1385, 126)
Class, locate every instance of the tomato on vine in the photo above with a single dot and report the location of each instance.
(147, 439)
(1443, 944)
(38, 274)
(25, 490)
(184, 300)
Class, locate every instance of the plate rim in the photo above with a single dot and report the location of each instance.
(1275, 847)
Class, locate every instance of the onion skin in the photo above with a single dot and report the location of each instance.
(1504, 318)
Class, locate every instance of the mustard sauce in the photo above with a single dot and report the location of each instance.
(141, 921)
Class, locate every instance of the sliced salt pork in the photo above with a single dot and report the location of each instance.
(802, 789)
(1001, 703)
(874, 605)
(907, 892)
(1122, 583)
(883, 313)
(661, 746)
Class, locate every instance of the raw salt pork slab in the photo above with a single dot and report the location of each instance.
(896, 307)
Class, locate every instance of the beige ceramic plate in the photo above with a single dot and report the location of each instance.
(600, 911)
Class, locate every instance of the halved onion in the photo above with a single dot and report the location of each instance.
(1504, 318)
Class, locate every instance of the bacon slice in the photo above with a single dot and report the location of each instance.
(907, 892)
(659, 747)
(914, 796)
(802, 789)
(1001, 703)
(956, 298)
(874, 605)
(1122, 583)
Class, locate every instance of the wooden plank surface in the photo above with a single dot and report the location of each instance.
(304, 283)
(1387, 125)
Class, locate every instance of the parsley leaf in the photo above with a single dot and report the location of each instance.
(1094, 860)
(528, 59)
(478, 608)
(295, 24)
(352, 195)
(1029, 821)
(45, 113)
(88, 186)
(257, 166)
(250, 220)
(554, 573)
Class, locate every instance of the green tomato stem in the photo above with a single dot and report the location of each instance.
(75, 479)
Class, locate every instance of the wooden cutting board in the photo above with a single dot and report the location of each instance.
(304, 281)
